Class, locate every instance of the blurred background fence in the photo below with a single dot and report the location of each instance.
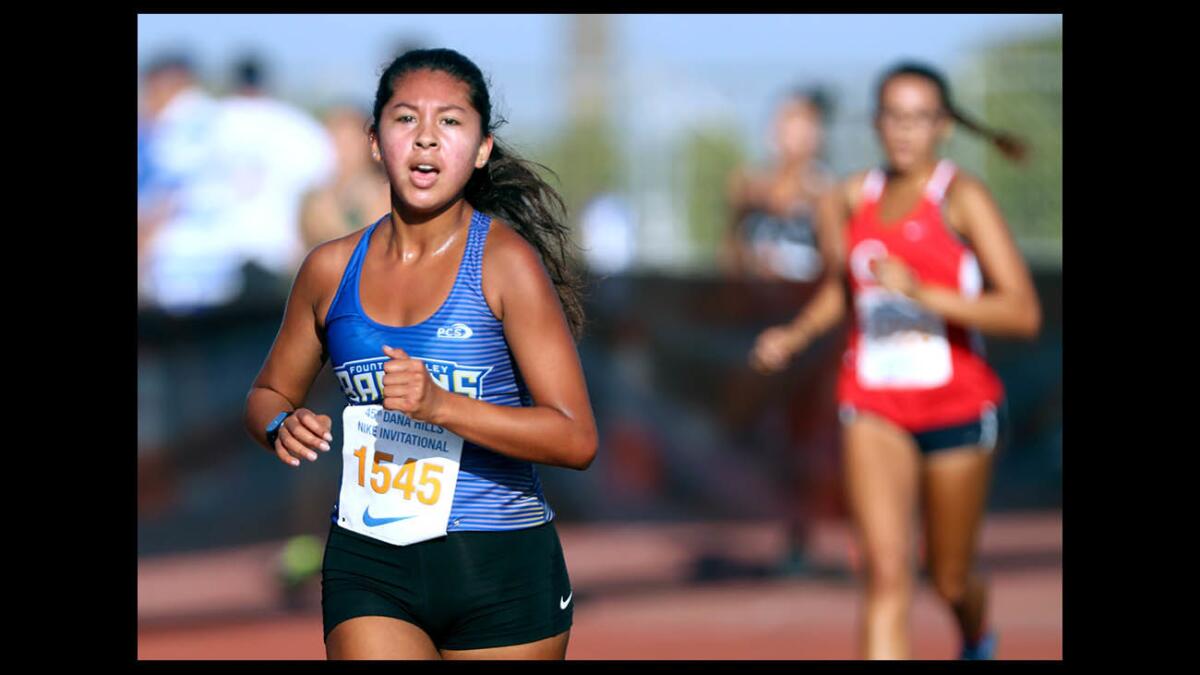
(687, 431)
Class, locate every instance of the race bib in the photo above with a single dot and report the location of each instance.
(901, 345)
(398, 475)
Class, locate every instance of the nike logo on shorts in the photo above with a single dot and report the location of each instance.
(562, 604)
(376, 522)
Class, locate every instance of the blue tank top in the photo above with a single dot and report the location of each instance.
(463, 347)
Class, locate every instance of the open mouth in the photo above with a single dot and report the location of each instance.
(423, 175)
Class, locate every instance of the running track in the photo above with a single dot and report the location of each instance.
(642, 591)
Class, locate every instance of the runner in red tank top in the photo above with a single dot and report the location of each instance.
(905, 362)
(912, 246)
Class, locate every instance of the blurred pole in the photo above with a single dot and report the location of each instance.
(587, 159)
(589, 59)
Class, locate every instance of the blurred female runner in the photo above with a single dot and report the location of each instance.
(929, 263)
(771, 233)
(445, 320)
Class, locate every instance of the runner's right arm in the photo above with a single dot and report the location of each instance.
(295, 359)
(776, 345)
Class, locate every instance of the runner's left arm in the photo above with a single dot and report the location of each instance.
(559, 429)
(1010, 305)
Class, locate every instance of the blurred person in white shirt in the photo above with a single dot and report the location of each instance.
(271, 153)
(220, 185)
(176, 260)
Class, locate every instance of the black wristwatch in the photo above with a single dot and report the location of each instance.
(273, 427)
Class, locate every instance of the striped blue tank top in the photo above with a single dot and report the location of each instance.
(462, 345)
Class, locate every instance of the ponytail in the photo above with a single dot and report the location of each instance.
(1010, 146)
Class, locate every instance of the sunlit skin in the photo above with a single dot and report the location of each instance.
(886, 477)
(408, 273)
(429, 120)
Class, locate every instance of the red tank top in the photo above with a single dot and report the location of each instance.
(904, 362)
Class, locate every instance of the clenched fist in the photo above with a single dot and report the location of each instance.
(408, 387)
(775, 347)
(894, 275)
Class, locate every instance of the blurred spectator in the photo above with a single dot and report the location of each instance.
(220, 185)
(358, 195)
(174, 162)
(772, 234)
(271, 153)
(175, 119)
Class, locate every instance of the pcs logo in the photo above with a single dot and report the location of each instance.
(457, 331)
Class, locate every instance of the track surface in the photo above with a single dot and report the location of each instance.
(647, 591)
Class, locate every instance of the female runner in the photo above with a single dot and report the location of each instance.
(929, 264)
(449, 323)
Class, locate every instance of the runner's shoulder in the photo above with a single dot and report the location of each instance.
(322, 268)
(507, 251)
(965, 185)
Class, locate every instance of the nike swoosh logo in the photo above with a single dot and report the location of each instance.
(376, 522)
(562, 604)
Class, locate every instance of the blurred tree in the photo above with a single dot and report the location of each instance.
(706, 157)
(586, 160)
(584, 155)
(1021, 92)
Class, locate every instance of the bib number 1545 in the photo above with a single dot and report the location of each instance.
(383, 480)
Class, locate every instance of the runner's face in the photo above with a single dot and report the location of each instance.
(430, 140)
(911, 121)
(798, 129)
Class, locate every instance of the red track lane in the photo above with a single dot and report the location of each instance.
(641, 606)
